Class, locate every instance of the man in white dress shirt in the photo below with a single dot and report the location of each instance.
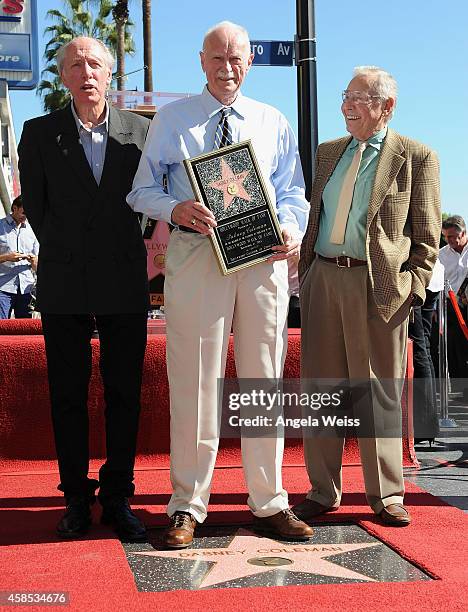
(201, 304)
(454, 257)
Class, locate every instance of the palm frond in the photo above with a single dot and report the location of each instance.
(105, 9)
(51, 69)
(56, 14)
(78, 18)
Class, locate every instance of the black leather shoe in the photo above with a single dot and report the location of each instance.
(127, 525)
(77, 518)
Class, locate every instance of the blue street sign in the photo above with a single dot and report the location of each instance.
(272, 52)
(15, 52)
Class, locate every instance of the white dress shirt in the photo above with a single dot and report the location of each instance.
(186, 128)
(455, 264)
(437, 279)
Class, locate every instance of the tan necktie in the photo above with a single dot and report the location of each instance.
(337, 235)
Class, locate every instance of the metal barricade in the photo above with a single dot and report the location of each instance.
(444, 382)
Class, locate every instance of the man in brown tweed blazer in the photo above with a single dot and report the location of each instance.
(358, 286)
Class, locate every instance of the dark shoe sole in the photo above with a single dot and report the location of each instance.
(310, 517)
(69, 535)
(277, 536)
(394, 522)
(123, 535)
(176, 546)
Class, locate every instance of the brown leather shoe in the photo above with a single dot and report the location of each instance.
(396, 515)
(285, 525)
(309, 509)
(180, 531)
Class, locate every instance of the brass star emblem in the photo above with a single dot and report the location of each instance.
(232, 185)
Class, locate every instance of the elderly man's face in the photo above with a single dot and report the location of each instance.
(225, 60)
(455, 238)
(85, 72)
(365, 119)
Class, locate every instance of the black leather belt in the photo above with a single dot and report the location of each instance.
(183, 228)
(344, 262)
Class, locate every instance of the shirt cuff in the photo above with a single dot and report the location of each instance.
(165, 212)
(293, 230)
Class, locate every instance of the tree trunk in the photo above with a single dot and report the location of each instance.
(120, 15)
(120, 56)
(147, 51)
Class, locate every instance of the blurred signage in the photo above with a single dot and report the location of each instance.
(15, 52)
(11, 10)
(19, 64)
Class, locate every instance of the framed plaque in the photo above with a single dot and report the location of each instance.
(228, 181)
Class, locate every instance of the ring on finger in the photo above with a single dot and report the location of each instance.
(193, 221)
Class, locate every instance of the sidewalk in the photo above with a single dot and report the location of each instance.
(444, 466)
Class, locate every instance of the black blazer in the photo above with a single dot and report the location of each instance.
(92, 257)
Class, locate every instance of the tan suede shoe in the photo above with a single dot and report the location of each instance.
(396, 515)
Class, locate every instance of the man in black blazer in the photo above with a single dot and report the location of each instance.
(76, 168)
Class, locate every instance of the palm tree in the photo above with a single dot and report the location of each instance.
(120, 15)
(77, 20)
(147, 51)
(54, 95)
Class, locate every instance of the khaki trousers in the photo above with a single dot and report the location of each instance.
(344, 337)
(201, 305)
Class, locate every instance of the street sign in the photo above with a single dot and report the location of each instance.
(272, 52)
(19, 64)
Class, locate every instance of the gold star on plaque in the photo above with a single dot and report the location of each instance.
(232, 185)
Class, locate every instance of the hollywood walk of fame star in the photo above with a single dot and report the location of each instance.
(236, 560)
(232, 185)
(156, 249)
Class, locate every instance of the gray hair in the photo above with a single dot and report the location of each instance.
(383, 83)
(62, 51)
(230, 26)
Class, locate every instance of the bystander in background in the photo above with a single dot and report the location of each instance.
(19, 249)
(454, 257)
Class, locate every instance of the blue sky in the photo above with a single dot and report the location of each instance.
(423, 43)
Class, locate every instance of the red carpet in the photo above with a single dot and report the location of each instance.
(95, 571)
(96, 574)
(20, 327)
(26, 440)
